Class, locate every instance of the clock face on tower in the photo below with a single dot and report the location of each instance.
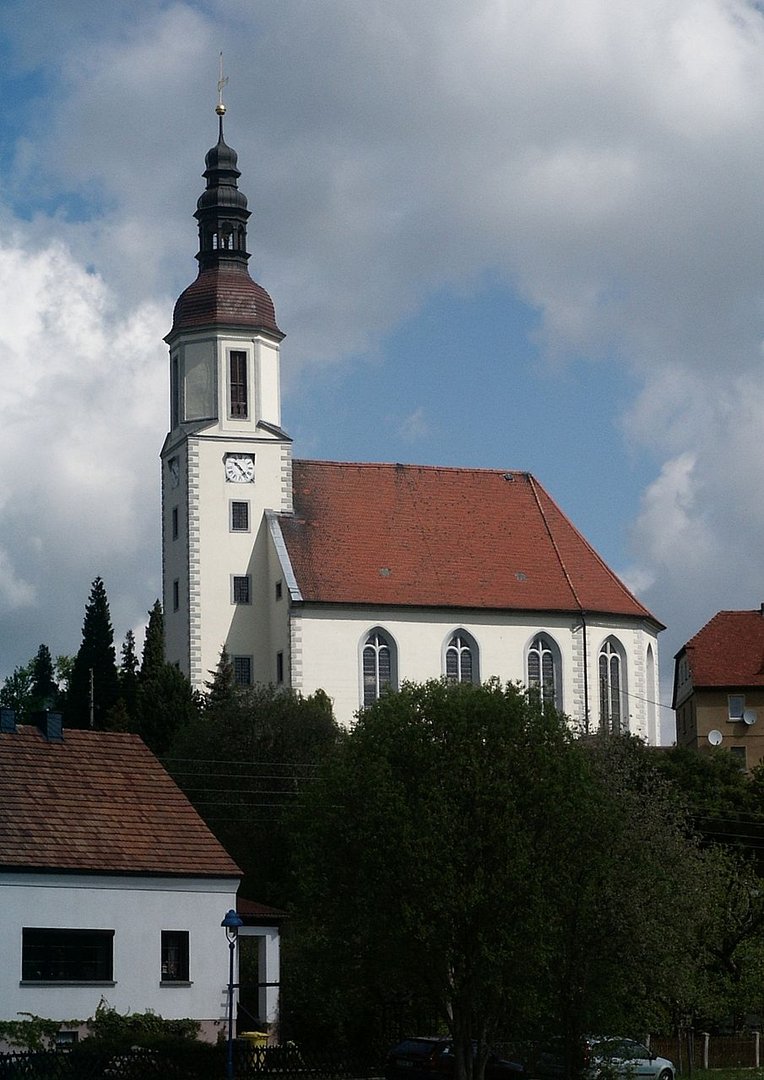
(240, 468)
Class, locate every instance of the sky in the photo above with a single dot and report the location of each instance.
(515, 234)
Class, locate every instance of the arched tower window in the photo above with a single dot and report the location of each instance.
(460, 659)
(612, 676)
(544, 667)
(378, 665)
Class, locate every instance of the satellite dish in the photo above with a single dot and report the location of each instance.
(715, 737)
(749, 716)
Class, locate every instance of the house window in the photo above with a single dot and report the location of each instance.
(544, 670)
(612, 687)
(175, 523)
(240, 589)
(176, 594)
(238, 385)
(242, 670)
(378, 666)
(738, 753)
(55, 955)
(175, 956)
(461, 658)
(279, 667)
(239, 516)
(736, 706)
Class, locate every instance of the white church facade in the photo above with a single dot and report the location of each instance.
(354, 577)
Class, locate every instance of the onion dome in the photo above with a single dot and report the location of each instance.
(223, 294)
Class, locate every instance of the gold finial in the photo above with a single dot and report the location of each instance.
(220, 107)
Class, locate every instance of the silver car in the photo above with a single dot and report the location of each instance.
(605, 1057)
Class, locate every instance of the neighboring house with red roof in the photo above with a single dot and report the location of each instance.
(111, 885)
(719, 686)
(353, 577)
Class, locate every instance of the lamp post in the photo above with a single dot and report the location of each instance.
(231, 923)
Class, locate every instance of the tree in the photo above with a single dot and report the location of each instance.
(128, 678)
(221, 688)
(94, 670)
(461, 849)
(16, 691)
(243, 761)
(44, 690)
(153, 646)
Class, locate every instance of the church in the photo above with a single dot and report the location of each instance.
(352, 577)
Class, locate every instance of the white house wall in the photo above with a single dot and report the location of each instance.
(137, 910)
(327, 642)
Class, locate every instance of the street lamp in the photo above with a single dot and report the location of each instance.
(231, 922)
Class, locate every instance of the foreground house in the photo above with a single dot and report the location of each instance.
(719, 687)
(353, 577)
(111, 885)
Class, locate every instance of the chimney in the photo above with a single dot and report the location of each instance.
(761, 611)
(50, 724)
(7, 721)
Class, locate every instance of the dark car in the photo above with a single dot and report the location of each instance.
(431, 1057)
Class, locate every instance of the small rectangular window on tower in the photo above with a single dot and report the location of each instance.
(240, 593)
(279, 667)
(239, 516)
(176, 594)
(175, 523)
(242, 670)
(237, 377)
(279, 590)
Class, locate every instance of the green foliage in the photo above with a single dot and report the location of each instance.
(96, 655)
(153, 658)
(44, 692)
(137, 1029)
(221, 688)
(165, 704)
(16, 691)
(128, 676)
(242, 761)
(34, 1033)
(461, 850)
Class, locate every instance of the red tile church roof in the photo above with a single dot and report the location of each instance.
(98, 802)
(728, 651)
(437, 537)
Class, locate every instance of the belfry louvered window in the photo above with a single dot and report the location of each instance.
(238, 385)
(378, 663)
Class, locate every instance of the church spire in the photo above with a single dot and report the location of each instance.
(222, 209)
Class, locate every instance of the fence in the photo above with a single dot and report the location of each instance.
(742, 1051)
(195, 1061)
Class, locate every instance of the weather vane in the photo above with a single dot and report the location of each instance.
(222, 81)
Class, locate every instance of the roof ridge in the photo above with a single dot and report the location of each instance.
(414, 465)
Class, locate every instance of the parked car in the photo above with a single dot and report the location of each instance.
(605, 1056)
(432, 1057)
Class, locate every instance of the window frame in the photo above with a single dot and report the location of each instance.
(238, 663)
(233, 505)
(175, 523)
(383, 640)
(452, 650)
(549, 648)
(236, 589)
(238, 384)
(50, 941)
(732, 716)
(611, 650)
(176, 594)
(170, 939)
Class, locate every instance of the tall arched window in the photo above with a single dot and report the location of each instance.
(612, 674)
(378, 665)
(461, 658)
(544, 673)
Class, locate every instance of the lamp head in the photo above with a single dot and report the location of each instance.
(232, 922)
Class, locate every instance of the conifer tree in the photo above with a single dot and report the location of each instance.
(221, 688)
(153, 647)
(94, 667)
(128, 677)
(44, 691)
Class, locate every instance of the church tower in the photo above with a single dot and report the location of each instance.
(225, 459)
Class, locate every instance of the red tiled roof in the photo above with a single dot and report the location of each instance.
(728, 651)
(436, 537)
(98, 802)
(225, 295)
